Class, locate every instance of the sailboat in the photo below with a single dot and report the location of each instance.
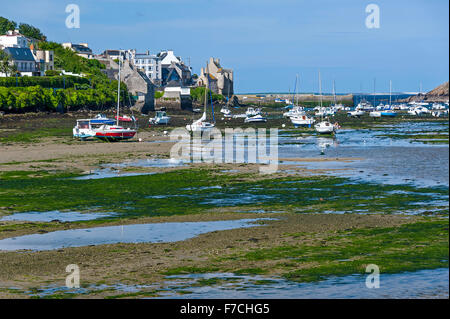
(225, 110)
(323, 127)
(87, 128)
(298, 116)
(388, 110)
(108, 132)
(374, 112)
(201, 125)
(295, 109)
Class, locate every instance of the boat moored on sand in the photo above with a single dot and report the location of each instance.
(302, 120)
(86, 128)
(255, 119)
(325, 127)
(113, 133)
(160, 118)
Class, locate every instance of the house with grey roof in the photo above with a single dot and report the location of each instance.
(24, 61)
(81, 49)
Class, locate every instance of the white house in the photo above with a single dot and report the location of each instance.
(148, 63)
(176, 92)
(167, 57)
(13, 39)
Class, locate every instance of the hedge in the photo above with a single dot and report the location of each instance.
(36, 98)
(44, 81)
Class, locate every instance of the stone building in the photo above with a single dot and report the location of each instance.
(139, 85)
(220, 79)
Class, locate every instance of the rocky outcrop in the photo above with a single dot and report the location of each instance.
(438, 94)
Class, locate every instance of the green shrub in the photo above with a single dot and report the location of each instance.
(44, 81)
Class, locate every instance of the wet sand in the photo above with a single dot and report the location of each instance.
(146, 263)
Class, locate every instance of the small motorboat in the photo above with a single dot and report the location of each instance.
(160, 118)
(364, 106)
(418, 110)
(226, 112)
(356, 113)
(438, 106)
(255, 119)
(302, 120)
(252, 111)
(375, 114)
(325, 127)
(295, 111)
(439, 113)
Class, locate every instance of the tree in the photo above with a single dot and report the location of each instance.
(159, 94)
(6, 25)
(5, 64)
(31, 32)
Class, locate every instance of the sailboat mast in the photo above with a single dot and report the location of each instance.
(390, 92)
(320, 90)
(206, 88)
(374, 89)
(334, 92)
(118, 90)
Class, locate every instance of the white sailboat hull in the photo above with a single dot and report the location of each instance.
(255, 119)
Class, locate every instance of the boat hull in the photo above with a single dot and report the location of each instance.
(115, 136)
(199, 128)
(255, 119)
(325, 128)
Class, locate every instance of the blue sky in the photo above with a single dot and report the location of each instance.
(268, 42)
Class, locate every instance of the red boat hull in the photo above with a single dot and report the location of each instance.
(115, 136)
(124, 119)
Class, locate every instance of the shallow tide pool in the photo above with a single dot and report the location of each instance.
(419, 284)
(140, 233)
(55, 215)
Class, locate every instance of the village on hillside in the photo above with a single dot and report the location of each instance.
(162, 74)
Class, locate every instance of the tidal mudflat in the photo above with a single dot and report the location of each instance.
(333, 207)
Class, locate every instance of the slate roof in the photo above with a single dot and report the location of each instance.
(81, 49)
(20, 54)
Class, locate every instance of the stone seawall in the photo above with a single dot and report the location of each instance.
(174, 104)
